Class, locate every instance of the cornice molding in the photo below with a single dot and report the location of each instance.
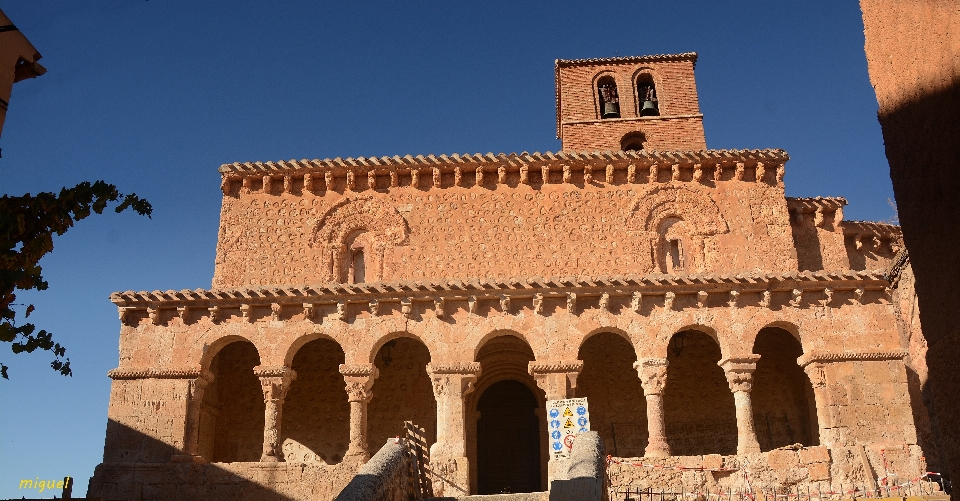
(844, 356)
(159, 373)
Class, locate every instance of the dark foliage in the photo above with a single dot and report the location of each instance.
(27, 226)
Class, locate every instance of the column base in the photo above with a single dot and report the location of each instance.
(270, 459)
(748, 449)
(360, 456)
(656, 452)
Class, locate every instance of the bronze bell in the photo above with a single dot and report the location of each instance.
(611, 110)
(649, 109)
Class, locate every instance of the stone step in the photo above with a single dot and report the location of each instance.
(527, 496)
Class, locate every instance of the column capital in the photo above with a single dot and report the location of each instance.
(456, 378)
(653, 374)
(274, 380)
(558, 380)
(739, 371)
(359, 381)
(815, 372)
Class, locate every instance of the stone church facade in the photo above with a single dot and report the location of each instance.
(712, 322)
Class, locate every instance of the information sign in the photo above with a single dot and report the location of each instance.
(565, 419)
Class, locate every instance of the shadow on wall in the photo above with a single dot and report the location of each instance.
(920, 136)
(144, 472)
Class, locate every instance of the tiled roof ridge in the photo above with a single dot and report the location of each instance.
(493, 286)
(456, 159)
(629, 59)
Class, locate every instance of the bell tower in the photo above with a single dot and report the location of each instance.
(629, 103)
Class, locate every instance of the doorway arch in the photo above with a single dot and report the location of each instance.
(508, 439)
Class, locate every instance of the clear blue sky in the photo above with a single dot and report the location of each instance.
(154, 95)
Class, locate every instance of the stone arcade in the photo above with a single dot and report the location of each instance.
(711, 321)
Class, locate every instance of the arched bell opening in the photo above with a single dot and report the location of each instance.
(699, 409)
(784, 409)
(609, 98)
(506, 428)
(647, 96)
(618, 410)
(232, 409)
(402, 392)
(316, 414)
(633, 141)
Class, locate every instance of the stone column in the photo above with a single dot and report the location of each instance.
(557, 379)
(450, 467)
(359, 380)
(275, 382)
(191, 438)
(739, 372)
(818, 380)
(653, 378)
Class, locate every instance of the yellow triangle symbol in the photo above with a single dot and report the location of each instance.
(568, 424)
(567, 413)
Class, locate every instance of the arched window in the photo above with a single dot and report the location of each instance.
(356, 256)
(609, 99)
(647, 96)
(673, 231)
(357, 267)
(633, 141)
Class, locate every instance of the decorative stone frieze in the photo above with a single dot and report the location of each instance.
(842, 356)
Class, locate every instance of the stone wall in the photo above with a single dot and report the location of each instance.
(388, 476)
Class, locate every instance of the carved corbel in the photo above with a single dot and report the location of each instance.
(246, 185)
(818, 218)
(858, 292)
(328, 180)
(572, 303)
(567, 174)
(668, 299)
(631, 173)
(225, 185)
(609, 177)
(702, 299)
(341, 314)
(245, 310)
(406, 307)
(734, 299)
(761, 171)
(765, 299)
(780, 172)
(154, 315)
(307, 182)
(276, 311)
(636, 303)
(502, 174)
(675, 172)
(436, 177)
(287, 184)
(372, 179)
(538, 303)
(505, 304)
(394, 179)
(587, 175)
(472, 305)
(741, 168)
(184, 313)
(479, 176)
(414, 177)
(605, 303)
(857, 241)
(267, 185)
(545, 173)
(457, 176)
(697, 172)
(717, 171)
(439, 305)
(524, 174)
(309, 311)
(796, 298)
(827, 296)
(374, 307)
(351, 181)
(215, 313)
(654, 173)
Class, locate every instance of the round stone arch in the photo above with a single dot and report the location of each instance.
(366, 217)
(657, 81)
(672, 202)
(595, 81)
(302, 340)
(393, 335)
(605, 329)
(210, 347)
(660, 345)
(485, 338)
(753, 328)
(402, 390)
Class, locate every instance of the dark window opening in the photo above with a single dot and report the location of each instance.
(633, 141)
(676, 255)
(609, 99)
(358, 267)
(647, 95)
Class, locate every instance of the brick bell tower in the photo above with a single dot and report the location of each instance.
(629, 103)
